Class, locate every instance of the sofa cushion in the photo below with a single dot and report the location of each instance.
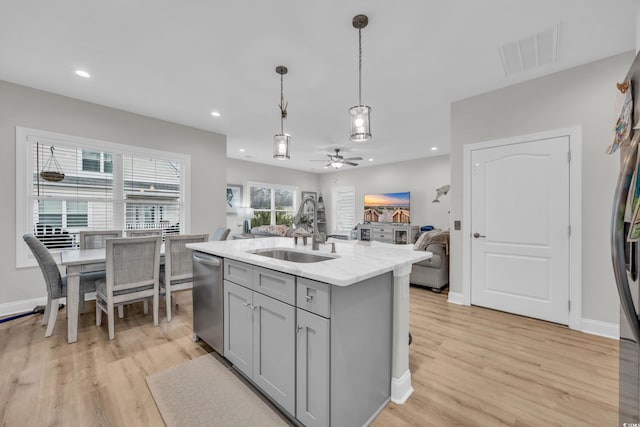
(274, 230)
(434, 262)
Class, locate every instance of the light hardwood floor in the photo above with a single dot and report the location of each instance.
(470, 367)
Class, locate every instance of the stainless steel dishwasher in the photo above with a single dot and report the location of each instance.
(208, 300)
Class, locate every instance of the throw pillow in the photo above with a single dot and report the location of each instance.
(420, 244)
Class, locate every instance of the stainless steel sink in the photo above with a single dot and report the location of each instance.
(292, 256)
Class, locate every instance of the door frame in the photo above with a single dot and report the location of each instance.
(575, 213)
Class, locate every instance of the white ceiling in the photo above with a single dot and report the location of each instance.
(180, 60)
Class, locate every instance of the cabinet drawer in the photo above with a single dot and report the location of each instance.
(238, 272)
(314, 296)
(275, 284)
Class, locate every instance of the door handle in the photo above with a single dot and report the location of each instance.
(478, 235)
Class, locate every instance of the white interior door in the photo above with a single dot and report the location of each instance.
(520, 228)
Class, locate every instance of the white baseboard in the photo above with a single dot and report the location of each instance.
(456, 298)
(401, 388)
(22, 306)
(603, 329)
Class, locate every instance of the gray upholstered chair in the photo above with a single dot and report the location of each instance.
(133, 274)
(145, 233)
(55, 282)
(96, 239)
(220, 233)
(178, 267)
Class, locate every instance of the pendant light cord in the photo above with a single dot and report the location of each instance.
(283, 112)
(359, 66)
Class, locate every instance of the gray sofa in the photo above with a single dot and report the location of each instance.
(433, 272)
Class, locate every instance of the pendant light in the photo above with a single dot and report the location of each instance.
(360, 115)
(281, 141)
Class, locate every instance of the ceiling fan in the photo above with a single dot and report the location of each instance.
(337, 161)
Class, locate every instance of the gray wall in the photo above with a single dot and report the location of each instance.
(21, 106)
(421, 177)
(241, 172)
(583, 96)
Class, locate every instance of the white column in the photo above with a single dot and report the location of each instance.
(637, 4)
(401, 387)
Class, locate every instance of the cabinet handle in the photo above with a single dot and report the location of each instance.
(246, 304)
(309, 298)
(299, 328)
(252, 307)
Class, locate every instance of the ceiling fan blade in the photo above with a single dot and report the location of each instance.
(350, 163)
(353, 158)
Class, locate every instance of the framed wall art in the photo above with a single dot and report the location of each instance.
(234, 198)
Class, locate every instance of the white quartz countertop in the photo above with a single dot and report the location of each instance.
(355, 260)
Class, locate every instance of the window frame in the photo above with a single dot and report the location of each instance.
(24, 180)
(335, 209)
(272, 210)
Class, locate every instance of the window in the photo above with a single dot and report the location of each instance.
(106, 186)
(272, 204)
(343, 212)
(96, 161)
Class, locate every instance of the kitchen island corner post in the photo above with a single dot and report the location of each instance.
(401, 387)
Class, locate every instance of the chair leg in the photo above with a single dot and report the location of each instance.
(47, 308)
(110, 318)
(167, 299)
(98, 313)
(156, 306)
(81, 305)
(145, 304)
(121, 311)
(53, 315)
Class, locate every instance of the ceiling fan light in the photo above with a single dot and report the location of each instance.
(360, 123)
(281, 144)
(336, 165)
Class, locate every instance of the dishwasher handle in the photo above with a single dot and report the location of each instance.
(214, 262)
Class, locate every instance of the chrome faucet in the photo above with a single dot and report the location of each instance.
(316, 239)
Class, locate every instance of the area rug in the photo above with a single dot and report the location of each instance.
(204, 392)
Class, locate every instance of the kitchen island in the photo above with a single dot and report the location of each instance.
(361, 296)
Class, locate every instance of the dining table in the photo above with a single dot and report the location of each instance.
(77, 262)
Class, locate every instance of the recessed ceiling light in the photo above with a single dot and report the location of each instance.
(242, 150)
(215, 114)
(83, 73)
(371, 159)
(434, 148)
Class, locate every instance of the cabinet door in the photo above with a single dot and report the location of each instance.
(312, 369)
(274, 349)
(238, 327)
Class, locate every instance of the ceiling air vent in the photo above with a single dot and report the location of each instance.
(530, 52)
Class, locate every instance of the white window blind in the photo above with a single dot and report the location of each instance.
(343, 211)
(105, 186)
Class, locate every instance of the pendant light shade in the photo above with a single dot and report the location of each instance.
(360, 115)
(282, 141)
(360, 126)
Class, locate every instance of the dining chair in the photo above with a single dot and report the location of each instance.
(56, 284)
(178, 267)
(96, 239)
(145, 232)
(220, 233)
(133, 274)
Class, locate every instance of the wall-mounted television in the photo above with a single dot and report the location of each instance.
(387, 208)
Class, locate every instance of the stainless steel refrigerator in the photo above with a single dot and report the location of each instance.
(625, 257)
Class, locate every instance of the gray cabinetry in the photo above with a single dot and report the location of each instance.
(388, 233)
(274, 349)
(312, 369)
(238, 327)
(260, 330)
(320, 352)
